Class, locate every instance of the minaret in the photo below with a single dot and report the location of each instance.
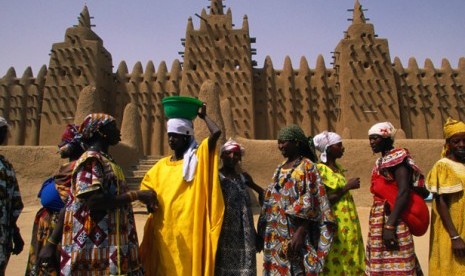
(365, 79)
(216, 7)
(79, 61)
(220, 53)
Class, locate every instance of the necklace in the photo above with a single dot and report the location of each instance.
(278, 185)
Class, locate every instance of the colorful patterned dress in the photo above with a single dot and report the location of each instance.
(446, 177)
(11, 206)
(102, 242)
(347, 255)
(44, 223)
(296, 194)
(380, 261)
(236, 253)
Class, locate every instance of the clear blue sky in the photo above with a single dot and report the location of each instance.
(143, 30)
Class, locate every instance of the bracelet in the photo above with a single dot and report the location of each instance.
(133, 196)
(389, 227)
(455, 238)
(52, 242)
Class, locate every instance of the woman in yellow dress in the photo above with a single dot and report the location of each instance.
(446, 181)
(347, 255)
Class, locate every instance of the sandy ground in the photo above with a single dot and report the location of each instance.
(17, 265)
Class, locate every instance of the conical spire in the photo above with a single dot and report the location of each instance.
(216, 7)
(358, 16)
(84, 18)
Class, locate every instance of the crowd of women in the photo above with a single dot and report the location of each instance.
(200, 216)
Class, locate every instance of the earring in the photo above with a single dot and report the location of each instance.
(102, 134)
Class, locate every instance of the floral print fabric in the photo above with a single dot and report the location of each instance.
(297, 194)
(347, 255)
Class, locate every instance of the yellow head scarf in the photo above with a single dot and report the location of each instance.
(451, 128)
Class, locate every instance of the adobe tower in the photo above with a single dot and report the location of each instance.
(219, 52)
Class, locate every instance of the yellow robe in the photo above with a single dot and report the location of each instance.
(181, 237)
(446, 177)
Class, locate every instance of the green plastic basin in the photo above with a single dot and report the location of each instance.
(181, 107)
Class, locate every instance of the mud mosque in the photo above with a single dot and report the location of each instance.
(362, 85)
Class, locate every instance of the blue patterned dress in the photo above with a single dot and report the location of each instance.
(296, 195)
(236, 253)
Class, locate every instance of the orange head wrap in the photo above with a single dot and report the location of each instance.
(451, 128)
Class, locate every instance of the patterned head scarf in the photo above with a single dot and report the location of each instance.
(68, 134)
(232, 145)
(3, 122)
(324, 140)
(71, 137)
(385, 130)
(296, 134)
(292, 133)
(93, 122)
(180, 126)
(451, 127)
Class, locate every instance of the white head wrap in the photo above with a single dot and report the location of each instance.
(324, 140)
(3, 122)
(232, 145)
(384, 129)
(185, 127)
(180, 126)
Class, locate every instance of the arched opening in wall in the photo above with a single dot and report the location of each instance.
(366, 65)
(78, 72)
(194, 67)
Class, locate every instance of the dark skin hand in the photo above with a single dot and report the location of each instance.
(47, 253)
(215, 131)
(442, 204)
(259, 190)
(298, 239)
(102, 202)
(402, 175)
(18, 243)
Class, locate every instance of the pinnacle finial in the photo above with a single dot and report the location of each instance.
(216, 7)
(358, 16)
(84, 18)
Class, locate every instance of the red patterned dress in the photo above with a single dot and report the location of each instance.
(380, 261)
(296, 194)
(98, 243)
